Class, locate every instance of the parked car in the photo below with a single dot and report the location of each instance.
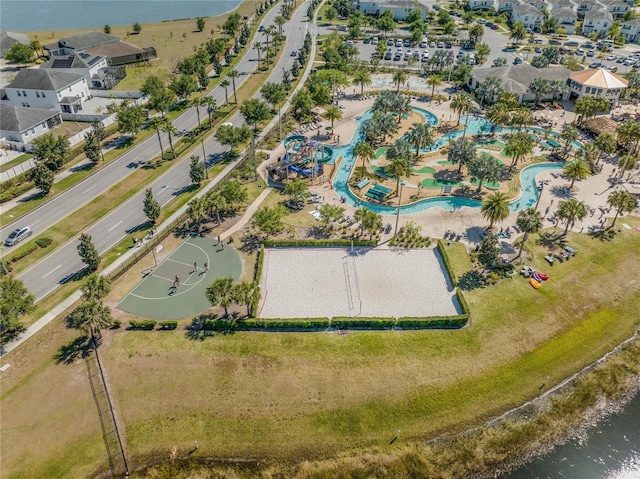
(449, 45)
(432, 45)
(398, 43)
(611, 57)
(407, 43)
(571, 43)
(517, 61)
(388, 55)
(538, 41)
(294, 53)
(407, 54)
(494, 27)
(425, 56)
(553, 41)
(579, 51)
(416, 54)
(17, 235)
(489, 24)
(538, 50)
(390, 42)
(397, 56)
(591, 53)
(440, 44)
(628, 62)
(374, 41)
(366, 40)
(481, 21)
(620, 60)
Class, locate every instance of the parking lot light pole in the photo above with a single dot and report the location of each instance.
(204, 158)
(398, 212)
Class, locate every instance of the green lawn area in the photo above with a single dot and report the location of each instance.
(15, 162)
(425, 170)
(436, 183)
(491, 185)
(381, 152)
(458, 258)
(313, 395)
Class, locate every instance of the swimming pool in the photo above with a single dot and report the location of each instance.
(475, 125)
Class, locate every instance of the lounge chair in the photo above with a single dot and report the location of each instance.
(550, 259)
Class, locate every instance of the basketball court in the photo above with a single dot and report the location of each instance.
(176, 287)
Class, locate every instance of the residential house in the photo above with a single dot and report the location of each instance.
(517, 78)
(481, 4)
(597, 82)
(121, 53)
(506, 5)
(539, 5)
(95, 68)
(558, 4)
(48, 89)
(22, 125)
(584, 6)
(631, 30)
(598, 21)
(9, 38)
(530, 17)
(399, 8)
(79, 43)
(566, 17)
(617, 8)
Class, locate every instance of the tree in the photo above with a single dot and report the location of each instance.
(606, 143)
(20, 53)
(489, 90)
(233, 136)
(158, 123)
(195, 212)
(200, 24)
(482, 52)
(275, 94)
(461, 151)
(15, 302)
(461, 104)
(569, 134)
(330, 14)
(211, 105)
(369, 220)
(539, 87)
(484, 168)
(399, 78)
(184, 86)
(332, 114)
(232, 24)
(90, 318)
(518, 32)
(234, 194)
(50, 150)
(225, 84)
(520, 144)
(297, 189)
(570, 211)
(362, 78)
(398, 166)
(197, 170)
(557, 89)
(622, 201)
(494, 208)
(330, 213)
(433, 81)
(170, 130)
(130, 119)
(233, 74)
(577, 169)
(107, 29)
(215, 204)
(96, 287)
(248, 293)
(529, 221)
(221, 293)
(92, 147)
(137, 28)
(488, 252)
(627, 163)
(476, 32)
(419, 136)
(540, 61)
(364, 150)
(42, 177)
(629, 134)
(254, 111)
(386, 22)
(269, 220)
(150, 206)
(88, 252)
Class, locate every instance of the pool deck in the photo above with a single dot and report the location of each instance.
(436, 221)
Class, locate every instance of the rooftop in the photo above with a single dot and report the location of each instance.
(598, 14)
(75, 60)
(113, 50)
(48, 80)
(599, 78)
(87, 40)
(525, 8)
(516, 78)
(19, 119)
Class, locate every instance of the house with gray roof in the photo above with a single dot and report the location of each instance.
(79, 43)
(23, 125)
(529, 16)
(584, 6)
(48, 89)
(598, 20)
(631, 30)
(7, 39)
(95, 68)
(567, 18)
(399, 8)
(517, 78)
(481, 4)
(506, 5)
(617, 8)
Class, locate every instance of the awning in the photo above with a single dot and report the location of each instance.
(553, 143)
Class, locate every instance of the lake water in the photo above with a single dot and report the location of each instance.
(612, 451)
(20, 15)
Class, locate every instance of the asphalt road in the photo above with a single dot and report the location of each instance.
(44, 277)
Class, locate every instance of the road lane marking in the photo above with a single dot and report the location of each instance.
(114, 226)
(87, 190)
(57, 267)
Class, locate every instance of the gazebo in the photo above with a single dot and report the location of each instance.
(597, 82)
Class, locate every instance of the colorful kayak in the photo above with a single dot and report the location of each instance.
(537, 277)
(534, 283)
(543, 276)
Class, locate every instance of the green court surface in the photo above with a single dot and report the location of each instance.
(380, 152)
(445, 162)
(433, 183)
(490, 185)
(155, 298)
(425, 170)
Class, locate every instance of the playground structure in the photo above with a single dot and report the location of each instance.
(303, 157)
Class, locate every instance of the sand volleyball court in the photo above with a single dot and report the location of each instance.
(332, 282)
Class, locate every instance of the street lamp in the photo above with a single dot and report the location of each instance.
(204, 158)
(540, 188)
(398, 212)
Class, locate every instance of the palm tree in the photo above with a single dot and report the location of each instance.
(484, 168)
(627, 162)
(529, 221)
(539, 86)
(196, 102)
(361, 77)
(225, 84)
(558, 88)
(364, 150)
(96, 287)
(461, 103)
(399, 78)
(571, 210)
(420, 136)
(590, 153)
(211, 105)
(369, 220)
(233, 74)
(434, 81)
(622, 201)
(91, 317)
(215, 204)
(169, 129)
(158, 123)
(494, 208)
(628, 133)
(332, 113)
(402, 105)
(489, 89)
(576, 170)
(258, 46)
(519, 145)
(606, 143)
(461, 151)
(499, 113)
(398, 165)
(220, 293)
(248, 293)
(195, 211)
(569, 134)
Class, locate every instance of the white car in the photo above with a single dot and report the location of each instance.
(628, 62)
(425, 56)
(398, 43)
(432, 45)
(374, 41)
(611, 57)
(407, 54)
(17, 235)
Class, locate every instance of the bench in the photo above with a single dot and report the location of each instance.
(362, 183)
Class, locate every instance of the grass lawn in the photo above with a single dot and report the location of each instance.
(289, 397)
(15, 162)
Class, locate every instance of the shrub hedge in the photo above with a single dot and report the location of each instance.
(144, 325)
(168, 325)
(24, 252)
(447, 263)
(316, 243)
(44, 242)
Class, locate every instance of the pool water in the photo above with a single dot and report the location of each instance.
(475, 125)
